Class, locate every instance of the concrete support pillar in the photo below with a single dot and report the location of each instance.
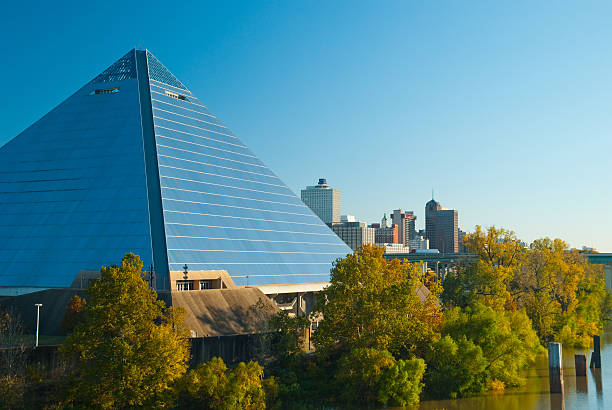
(596, 355)
(555, 367)
(608, 275)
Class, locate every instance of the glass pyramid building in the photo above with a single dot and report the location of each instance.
(134, 162)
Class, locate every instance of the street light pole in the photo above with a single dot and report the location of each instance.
(151, 276)
(38, 306)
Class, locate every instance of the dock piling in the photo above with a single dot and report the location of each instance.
(596, 355)
(581, 364)
(555, 367)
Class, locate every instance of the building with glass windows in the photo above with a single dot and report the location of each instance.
(134, 162)
(441, 227)
(323, 200)
(354, 234)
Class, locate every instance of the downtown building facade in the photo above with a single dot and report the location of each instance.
(354, 234)
(386, 235)
(323, 200)
(406, 223)
(441, 227)
(134, 162)
(419, 243)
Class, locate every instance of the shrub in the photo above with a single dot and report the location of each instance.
(374, 376)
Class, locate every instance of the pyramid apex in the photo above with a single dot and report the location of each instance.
(122, 69)
(125, 68)
(158, 72)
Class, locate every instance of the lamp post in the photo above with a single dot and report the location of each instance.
(38, 306)
(185, 272)
(151, 273)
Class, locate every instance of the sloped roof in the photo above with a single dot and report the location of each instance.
(224, 312)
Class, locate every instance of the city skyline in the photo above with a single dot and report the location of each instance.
(516, 112)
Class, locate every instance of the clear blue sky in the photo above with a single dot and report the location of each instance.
(504, 108)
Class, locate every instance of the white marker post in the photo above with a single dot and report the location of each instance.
(38, 306)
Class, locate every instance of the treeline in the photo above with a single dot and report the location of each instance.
(389, 334)
(380, 344)
(562, 294)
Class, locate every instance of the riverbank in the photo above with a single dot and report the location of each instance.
(592, 392)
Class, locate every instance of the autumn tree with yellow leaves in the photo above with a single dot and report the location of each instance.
(129, 348)
(372, 303)
(562, 294)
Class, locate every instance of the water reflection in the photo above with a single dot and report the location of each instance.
(535, 394)
(557, 402)
(582, 384)
(596, 373)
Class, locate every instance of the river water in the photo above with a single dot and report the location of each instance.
(591, 392)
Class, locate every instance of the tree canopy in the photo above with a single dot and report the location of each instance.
(562, 294)
(129, 347)
(372, 303)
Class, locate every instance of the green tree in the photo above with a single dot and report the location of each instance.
(371, 303)
(481, 345)
(369, 376)
(212, 385)
(506, 339)
(129, 347)
(401, 385)
(454, 368)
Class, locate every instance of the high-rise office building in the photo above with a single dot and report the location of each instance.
(354, 234)
(441, 227)
(323, 200)
(406, 222)
(134, 162)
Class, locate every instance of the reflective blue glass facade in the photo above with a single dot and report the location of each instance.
(135, 162)
(72, 189)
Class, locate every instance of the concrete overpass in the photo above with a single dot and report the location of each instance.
(438, 262)
(603, 259)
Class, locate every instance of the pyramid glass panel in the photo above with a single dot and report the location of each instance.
(134, 162)
(72, 191)
(122, 69)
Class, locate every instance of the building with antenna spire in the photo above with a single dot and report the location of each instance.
(441, 227)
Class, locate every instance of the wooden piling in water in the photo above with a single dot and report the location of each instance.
(596, 355)
(581, 364)
(555, 367)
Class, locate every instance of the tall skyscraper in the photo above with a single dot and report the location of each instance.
(323, 200)
(406, 225)
(441, 227)
(134, 162)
